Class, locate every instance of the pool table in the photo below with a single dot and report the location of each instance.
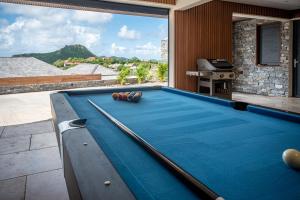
(233, 148)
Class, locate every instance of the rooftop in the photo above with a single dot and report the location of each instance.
(26, 67)
(86, 68)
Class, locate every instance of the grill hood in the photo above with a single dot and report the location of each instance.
(214, 65)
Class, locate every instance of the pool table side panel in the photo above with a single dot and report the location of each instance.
(86, 167)
(58, 103)
(71, 182)
(216, 100)
(111, 90)
(274, 113)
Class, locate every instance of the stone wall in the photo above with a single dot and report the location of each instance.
(164, 49)
(58, 86)
(263, 80)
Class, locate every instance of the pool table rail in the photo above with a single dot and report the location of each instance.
(87, 167)
(79, 166)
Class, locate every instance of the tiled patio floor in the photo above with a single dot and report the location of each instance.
(30, 166)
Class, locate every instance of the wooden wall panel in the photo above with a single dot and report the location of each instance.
(257, 10)
(296, 13)
(206, 31)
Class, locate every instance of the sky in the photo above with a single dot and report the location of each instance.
(33, 29)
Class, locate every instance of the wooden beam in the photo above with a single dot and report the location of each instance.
(47, 79)
(171, 2)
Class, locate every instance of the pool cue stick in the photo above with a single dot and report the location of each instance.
(197, 187)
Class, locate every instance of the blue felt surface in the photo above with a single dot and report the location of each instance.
(274, 113)
(236, 153)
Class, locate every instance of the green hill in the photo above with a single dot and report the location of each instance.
(77, 51)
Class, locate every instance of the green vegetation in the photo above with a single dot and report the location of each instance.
(162, 71)
(69, 51)
(123, 75)
(134, 60)
(59, 63)
(118, 60)
(120, 67)
(153, 61)
(72, 55)
(142, 72)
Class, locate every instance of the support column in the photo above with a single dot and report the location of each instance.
(171, 54)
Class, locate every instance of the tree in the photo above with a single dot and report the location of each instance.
(120, 67)
(123, 75)
(134, 60)
(142, 72)
(95, 61)
(153, 61)
(59, 63)
(162, 71)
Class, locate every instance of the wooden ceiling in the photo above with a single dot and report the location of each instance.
(171, 2)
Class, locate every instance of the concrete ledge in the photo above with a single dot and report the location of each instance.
(58, 86)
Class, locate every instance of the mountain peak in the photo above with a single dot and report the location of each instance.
(68, 51)
(74, 46)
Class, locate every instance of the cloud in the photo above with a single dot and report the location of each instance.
(56, 14)
(147, 49)
(125, 33)
(32, 11)
(163, 30)
(28, 29)
(48, 29)
(3, 22)
(6, 42)
(117, 49)
(92, 17)
(32, 35)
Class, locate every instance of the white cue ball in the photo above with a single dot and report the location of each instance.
(291, 157)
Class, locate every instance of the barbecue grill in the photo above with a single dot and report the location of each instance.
(214, 77)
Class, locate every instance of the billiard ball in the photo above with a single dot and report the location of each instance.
(126, 94)
(115, 96)
(136, 98)
(130, 96)
(121, 96)
(291, 157)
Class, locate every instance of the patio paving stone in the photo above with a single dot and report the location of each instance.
(28, 129)
(14, 144)
(29, 162)
(47, 186)
(43, 140)
(13, 189)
